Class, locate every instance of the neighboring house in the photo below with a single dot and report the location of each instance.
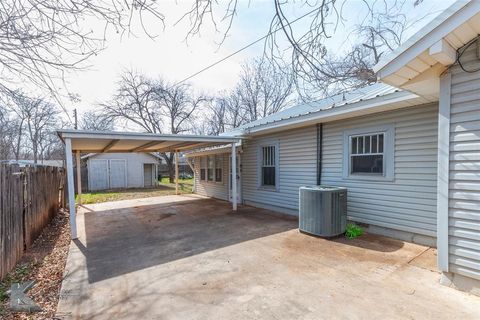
(121, 170)
(407, 149)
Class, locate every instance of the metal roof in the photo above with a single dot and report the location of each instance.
(118, 142)
(358, 95)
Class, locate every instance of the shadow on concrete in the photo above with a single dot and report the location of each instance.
(124, 240)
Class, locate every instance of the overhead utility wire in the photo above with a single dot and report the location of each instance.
(245, 47)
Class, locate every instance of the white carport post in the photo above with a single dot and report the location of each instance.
(176, 172)
(71, 188)
(79, 177)
(234, 177)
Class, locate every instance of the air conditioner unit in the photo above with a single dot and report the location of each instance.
(323, 210)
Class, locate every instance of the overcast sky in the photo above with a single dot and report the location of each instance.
(169, 56)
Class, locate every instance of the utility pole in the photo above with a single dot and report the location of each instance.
(75, 125)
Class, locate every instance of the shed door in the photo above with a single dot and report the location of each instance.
(148, 175)
(98, 174)
(118, 174)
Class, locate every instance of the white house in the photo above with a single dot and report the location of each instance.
(121, 170)
(407, 149)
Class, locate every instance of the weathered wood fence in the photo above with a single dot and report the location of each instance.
(29, 198)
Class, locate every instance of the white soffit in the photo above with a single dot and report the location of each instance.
(432, 48)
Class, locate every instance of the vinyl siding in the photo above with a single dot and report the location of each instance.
(408, 202)
(464, 183)
(212, 189)
(297, 167)
(134, 163)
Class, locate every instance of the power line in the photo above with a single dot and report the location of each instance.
(245, 47)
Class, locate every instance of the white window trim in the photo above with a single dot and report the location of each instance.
(275, 144)
(214, 169)
(205, 168)
(215, 156)
(388, 152)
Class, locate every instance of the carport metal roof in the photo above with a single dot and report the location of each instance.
(77, 141)
(112, 141)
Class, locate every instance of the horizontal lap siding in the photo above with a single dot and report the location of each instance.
(464, 191)
(409, 202)
(217, 190)
(297, 167)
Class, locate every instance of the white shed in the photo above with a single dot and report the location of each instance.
(121, 170)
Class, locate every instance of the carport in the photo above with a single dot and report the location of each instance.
(78, 141)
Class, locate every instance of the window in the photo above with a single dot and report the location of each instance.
(366, 154)
(268, 166)
(369, 153)
(203, 166)
(210, 167)
(218, 168)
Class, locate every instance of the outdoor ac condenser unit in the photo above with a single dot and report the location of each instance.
(323, 210)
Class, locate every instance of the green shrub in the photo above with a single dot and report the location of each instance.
(353, 231)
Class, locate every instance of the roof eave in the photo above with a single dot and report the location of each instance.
(453, 17)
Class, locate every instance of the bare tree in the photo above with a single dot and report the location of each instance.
(263, 88)
(96, 121)
(318, 71)
(42, 39)
(37, 118)
(153, 106)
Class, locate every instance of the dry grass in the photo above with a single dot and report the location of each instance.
(44, 262)
(164, 189)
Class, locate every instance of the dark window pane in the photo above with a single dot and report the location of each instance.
(380, 143)
(218, 175)
(367, 144)
(202, 174)
(367, 164)
(268, 176)
(210, 174)
(360, 145)
(354, 145)
(374, 144)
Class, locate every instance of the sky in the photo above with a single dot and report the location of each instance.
(169, 56)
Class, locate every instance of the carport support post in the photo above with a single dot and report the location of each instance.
(79, 177)
(234, 177)
(71, 188)
(176, 172)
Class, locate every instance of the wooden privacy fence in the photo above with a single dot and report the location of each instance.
(29, 198)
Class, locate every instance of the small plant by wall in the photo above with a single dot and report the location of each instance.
(352, 231)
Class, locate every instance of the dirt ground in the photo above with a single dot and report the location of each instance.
(187, 257)
(44, 262)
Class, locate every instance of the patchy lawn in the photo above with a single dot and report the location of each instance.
(164, 189)
(44, 262)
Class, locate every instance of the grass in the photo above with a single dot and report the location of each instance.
(353, 231)
(164, 188)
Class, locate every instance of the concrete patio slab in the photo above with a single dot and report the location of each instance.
(187, 257)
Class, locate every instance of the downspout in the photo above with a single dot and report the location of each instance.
(319, 152)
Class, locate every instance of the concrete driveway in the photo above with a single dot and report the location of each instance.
(187, 257)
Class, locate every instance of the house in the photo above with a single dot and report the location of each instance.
(407, 149)
(121, 170)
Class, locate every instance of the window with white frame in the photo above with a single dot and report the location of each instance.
(366, 154)
(269, 161)
(218, 168)
(369, 153)
(210, 167)
(203, 168)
